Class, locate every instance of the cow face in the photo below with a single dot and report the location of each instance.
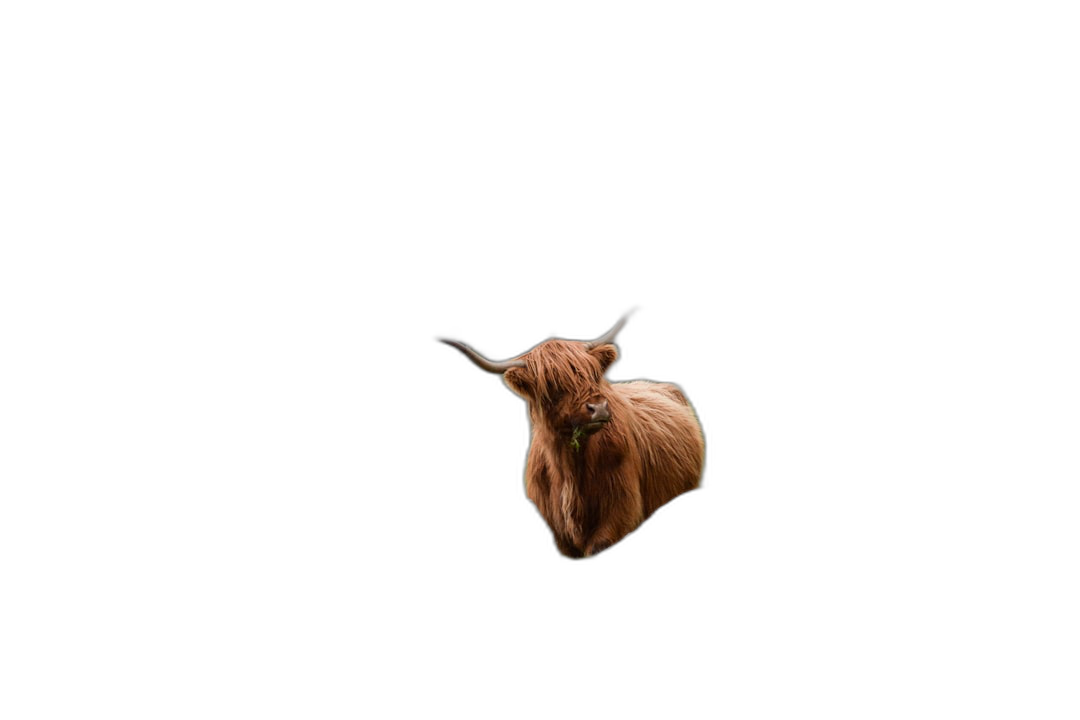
(562, 380)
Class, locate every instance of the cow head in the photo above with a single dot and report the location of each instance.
(562, 380)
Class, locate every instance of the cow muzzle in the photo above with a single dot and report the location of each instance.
(599, 415)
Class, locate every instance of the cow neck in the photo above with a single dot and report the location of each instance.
(581, 463)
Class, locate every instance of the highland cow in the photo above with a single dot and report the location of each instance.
(603, 456)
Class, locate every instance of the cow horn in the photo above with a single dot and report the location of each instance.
(481, 361)
(609, 336)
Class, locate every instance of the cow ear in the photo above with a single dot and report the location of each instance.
(606, 354)
(519, 381)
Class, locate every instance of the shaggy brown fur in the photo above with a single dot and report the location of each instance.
(594, 482)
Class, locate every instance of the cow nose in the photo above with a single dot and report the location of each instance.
(598, 412)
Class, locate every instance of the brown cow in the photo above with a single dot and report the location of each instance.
(604, 456)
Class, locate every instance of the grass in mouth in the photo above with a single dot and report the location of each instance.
(575, 443)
